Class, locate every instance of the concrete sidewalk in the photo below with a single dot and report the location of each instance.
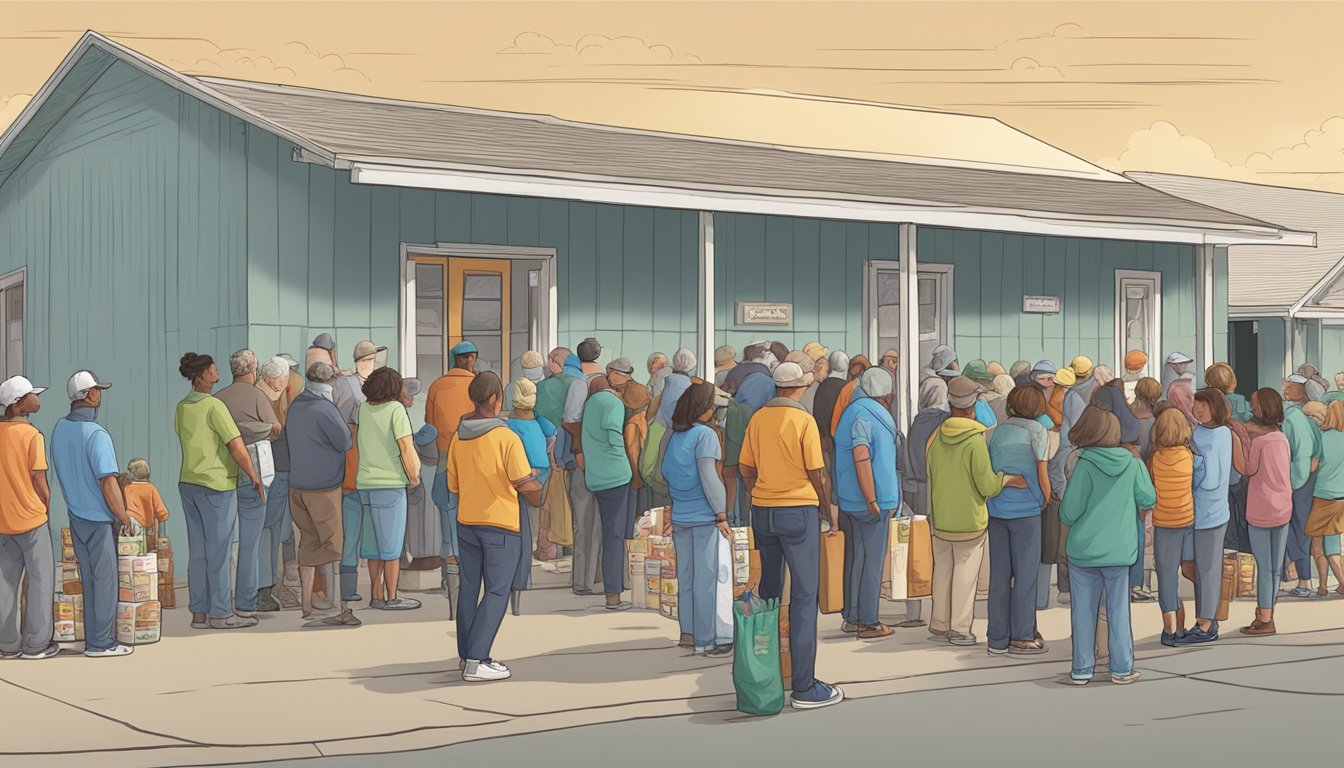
(277, 692)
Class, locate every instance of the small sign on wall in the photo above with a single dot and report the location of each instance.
(1040, 305)
(764, 313)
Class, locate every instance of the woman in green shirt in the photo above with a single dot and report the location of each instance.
(212, 454)
(388, 465)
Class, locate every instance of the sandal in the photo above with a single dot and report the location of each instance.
(1322, 592)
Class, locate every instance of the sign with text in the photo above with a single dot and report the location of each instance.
(1040, 305)
(762, 313)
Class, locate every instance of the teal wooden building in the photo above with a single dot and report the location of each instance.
(145, 213)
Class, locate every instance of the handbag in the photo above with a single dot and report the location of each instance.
(756, 672)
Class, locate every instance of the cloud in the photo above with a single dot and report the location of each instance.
(1321, 151)
(1063, 30)
(1026, 64)
(294, 62)
(598, 49)
(11, 106)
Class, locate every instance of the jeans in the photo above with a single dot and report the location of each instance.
(1136, 570)
(1168, 544)
(28, 552)
(488, 558)
(251, 521)
(587, 534)
(278, 529)
(697, 549)
(866, 540)
(1209, 570)
(792, 536)
(1299, 544)
(956, 568)
(447, 504)
(1014, 565)
(1268, 547)
(384, 523)
(210, 517)
(96, 551)
(352, 533)
(1088, 587)
(613, 506)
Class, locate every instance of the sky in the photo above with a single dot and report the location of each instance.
(1250, 91)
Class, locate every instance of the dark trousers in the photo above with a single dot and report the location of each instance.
(792, 536)
(487, 557)
(613, 507)
(1299, 543)
(96, 550)
(865, 554)
(1014, 560)
(1136, 570)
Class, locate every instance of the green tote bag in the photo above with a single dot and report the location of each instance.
(756, 675)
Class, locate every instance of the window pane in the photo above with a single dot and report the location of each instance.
(429, 281)
(482, 315)
(489, 350)
(888, 321)
(14, 303)
(928, 287)
(428, 366)
(928, 319)
(482, 286)
(888, 288)
(429, 317)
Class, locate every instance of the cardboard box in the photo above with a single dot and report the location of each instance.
(68, 553)
(635, 557)
(167, 592)
(653, 584)
(135, 545)
(668, 607)
(67, 538)
(138, 623)
(67, 579)
(64, 632)
(137, 579)
(63, 610)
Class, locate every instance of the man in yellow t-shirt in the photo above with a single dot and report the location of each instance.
(25, 539)
(488, 469)
(783, 468)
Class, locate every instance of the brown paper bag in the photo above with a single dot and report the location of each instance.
(562, 516)
(919, 573)
(1229, 586)
(831, 591)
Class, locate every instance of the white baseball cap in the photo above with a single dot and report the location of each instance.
(79, 385)
(1176, 358)
(15, 388)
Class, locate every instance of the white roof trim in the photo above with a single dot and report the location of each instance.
(773, 203)
(1314, 294)
(1248, 313)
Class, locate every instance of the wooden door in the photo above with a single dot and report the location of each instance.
(479, 310)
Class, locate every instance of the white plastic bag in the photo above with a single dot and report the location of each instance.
(723, 597)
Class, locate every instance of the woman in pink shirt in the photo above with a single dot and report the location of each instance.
(1269, 501)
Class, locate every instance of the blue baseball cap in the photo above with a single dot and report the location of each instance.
(463, 348)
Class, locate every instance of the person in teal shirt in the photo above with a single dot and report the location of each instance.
(1306, 451)
(1326, 520)
(606, 471)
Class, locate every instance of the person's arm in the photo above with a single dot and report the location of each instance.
(239, 453)
(41, 487)
(822, 485)
(520, 472)
(715, 493)
(1145, 493)
(1076, 497)
(630, 436)
(160, 509)
(530, 489)
(1043, 477)
(988, 483)
(339, 435)
(1239, 459)
(410, 460)
(115, 501)
(573, 418)
(863, 468)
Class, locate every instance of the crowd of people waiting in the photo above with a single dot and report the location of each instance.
(1040, 466)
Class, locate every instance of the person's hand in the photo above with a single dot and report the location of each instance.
(578, 460)
(261, 490)
(874, 510)
(725, 529)
(835, 518)
(415, 482)
(275, 430)
(1315, 464)
(1014, 481)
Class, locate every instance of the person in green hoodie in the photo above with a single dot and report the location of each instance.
(1108, 488)
(961, 479)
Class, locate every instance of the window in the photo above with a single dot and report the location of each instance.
(483, 318)
(11, 318)
(1138, 317)
(430, 330)
(884, 307)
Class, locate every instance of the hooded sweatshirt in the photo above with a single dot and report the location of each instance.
(1174, 473)
(961, 480)
(1108, 488)
(483, 463)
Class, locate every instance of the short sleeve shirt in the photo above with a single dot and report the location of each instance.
(204, 430)
(82, 454)
(783, 444)
(22, 452)
(606, 464)
(534, 433)
(380, 427)
(482, 471)
(681, 469)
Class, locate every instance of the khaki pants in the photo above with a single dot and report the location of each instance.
(956, 568)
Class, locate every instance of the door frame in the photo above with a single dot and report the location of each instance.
(943, 273)
(1155, 359)
(444, 251)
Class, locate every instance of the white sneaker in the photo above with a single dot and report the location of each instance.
(46, 653)
(485, 671)
(116, 650)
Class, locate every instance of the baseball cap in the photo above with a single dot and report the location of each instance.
(411, 387)
(1044, 366)
(1066, 377)
(1176, 358)
(463, 348)
(876, 382)
(791, 376)
(961, 392)
(977, 370)
(815, 350)
(1135, 359)
(80, 384)
(804, 360)
(324, 341)
(621, 365)
(288, 358)
(366, 348)
(1296, 378)
(1082, 366)
(15, 388)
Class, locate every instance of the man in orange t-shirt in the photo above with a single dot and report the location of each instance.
(25, 539)
(445, 405)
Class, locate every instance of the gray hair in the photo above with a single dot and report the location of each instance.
(243, 362)
(275, 368)
(321, 373)
(839, 362)
(683, 361)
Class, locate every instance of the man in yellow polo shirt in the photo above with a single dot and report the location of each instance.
(783, 468)
(488, 469)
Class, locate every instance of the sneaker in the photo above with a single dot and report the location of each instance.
(1063, 598)
(849, 628)
(876, 631)
(485, 672)
(719, 651)
(997, 651)
(401, 604)
(6, 655)
(1172, 639)
(232, 622)
(377, 604)
(1301, 592)
(821, 695)
(355, 598)
(199, 621)
(621, 606)
(938, 634)
(960, 639)
(1126, 679)
(116, 650)
(266, 603)
(1137, 595)
(1027, 648)
(45, 653)
(1197, 636)
(245, 614)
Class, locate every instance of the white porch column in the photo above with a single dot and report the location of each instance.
(705, 309)
(908, 380)
(1204, 355)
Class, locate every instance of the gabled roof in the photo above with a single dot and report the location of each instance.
(445, 145)
(1271, 276)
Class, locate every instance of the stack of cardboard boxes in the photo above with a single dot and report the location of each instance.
(138, 607)
(68, 607)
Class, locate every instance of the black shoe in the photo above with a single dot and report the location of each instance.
(1199, 636)
(1172, 639)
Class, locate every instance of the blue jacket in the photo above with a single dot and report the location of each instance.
(1211, 502)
